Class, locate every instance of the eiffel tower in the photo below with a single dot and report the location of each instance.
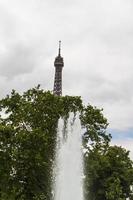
(59, 64)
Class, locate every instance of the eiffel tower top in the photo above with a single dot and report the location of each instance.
(59, 64)
(59, 60)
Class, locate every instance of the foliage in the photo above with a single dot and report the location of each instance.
(27, 135)
(95, 125)
(28, 127)
(109, 174)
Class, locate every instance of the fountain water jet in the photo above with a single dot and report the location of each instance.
(68, 170)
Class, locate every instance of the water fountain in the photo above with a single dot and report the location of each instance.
(68, 170)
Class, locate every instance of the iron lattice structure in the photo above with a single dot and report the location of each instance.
(59, 64)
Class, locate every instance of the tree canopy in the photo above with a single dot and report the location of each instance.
(109, 174)
(28, 127)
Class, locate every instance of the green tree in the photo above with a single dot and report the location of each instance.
(95, 124)
(28, 127)
(109, 174)
(6, 145)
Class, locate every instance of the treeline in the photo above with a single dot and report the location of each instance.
(28, 127)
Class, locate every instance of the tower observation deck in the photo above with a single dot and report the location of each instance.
(59, 64)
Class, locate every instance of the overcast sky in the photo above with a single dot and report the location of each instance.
(97, 46)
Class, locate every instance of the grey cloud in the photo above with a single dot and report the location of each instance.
(97, 49)
(18, 60)
(113, 92)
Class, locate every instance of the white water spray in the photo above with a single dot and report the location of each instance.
(69, 162)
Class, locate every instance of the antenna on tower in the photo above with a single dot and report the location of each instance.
(59, 48)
